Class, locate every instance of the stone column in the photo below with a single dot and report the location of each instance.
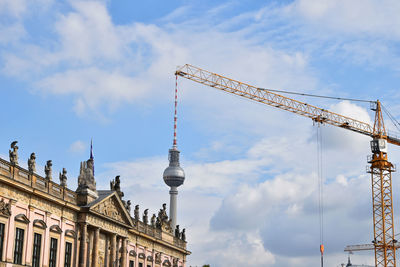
(95, 251)
(83, 247)
(117, 254)
(90, 249)
(113, 252)
(124, 253)
(107, 252)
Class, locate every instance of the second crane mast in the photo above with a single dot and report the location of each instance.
(380, 168)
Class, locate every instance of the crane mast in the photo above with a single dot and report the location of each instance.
(380, 168)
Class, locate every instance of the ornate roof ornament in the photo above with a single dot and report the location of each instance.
(86, 177)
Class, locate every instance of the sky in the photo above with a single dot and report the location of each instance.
(72, 71)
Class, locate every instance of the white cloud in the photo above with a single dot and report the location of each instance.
(92, 87)
(77, 147)
(13, 7)
(10, 34)
(371, 17)
(19, 8)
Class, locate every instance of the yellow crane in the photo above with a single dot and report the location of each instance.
(380, 168)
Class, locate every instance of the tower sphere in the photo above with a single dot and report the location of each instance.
(174, 175)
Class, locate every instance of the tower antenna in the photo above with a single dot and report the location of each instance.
(175, 111)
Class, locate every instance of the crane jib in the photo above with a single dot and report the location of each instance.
(273, 99)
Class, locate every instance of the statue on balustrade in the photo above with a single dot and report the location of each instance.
(115, 185)
(153, 221)
(48, 170)
(63, 178)
(177, 233)
(128, 206)
(183, 234)
(14, 153)
(32, 163)
(136, 213)
(162, 214)
(146, 216)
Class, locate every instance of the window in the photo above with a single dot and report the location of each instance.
(37, 242)
(140, 264)
(68, 254)
(19, 244)
(2, 226)
(53, 252)
(131, 263)
(148, 265)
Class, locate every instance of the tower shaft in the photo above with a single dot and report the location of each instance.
(173, 203)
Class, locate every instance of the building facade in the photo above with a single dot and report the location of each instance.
(43, 223)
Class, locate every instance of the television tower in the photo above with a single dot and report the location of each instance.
(174, 175)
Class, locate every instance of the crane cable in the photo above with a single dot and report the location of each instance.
(391, 117)
(318, 96)
(320, 192)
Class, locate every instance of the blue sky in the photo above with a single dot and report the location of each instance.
(75, 70)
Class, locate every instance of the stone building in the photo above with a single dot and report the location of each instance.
(43, 223)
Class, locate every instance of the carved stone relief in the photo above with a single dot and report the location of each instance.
(158, 258)
(12, 193)
(109, 208)
(5, 208)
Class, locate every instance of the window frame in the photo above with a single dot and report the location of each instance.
(55, 250)
(70, 254)
(19, 244)
(2, 239)
(36, 233)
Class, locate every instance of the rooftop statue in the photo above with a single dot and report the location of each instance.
(63, 178)
(86, 176)
(14, 153)
(146, 216)
(136, 213)
(183, 235)
(177, 232)
(115, 185)
(162, 214)
(153, 221)
(47, 170)
(162, 219)
(32, 163)
(128, 206)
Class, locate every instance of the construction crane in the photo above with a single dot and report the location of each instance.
(380, 168)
